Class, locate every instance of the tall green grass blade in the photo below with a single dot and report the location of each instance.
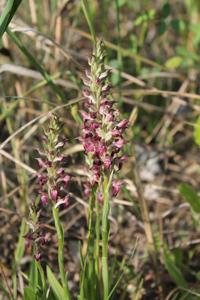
(19, 252)
(196, 132)
(190, 195)
(87, 14)
(119, 55)
(7, 15)
(55, 285)
(31, 58)
(33, 277)
(29, 294)
(21, 243)
(42, 276)
(173, 269)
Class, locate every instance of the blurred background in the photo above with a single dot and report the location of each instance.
(153, 50)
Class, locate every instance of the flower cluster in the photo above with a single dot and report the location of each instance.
(52, 183)
(102, 132)
(52, 179)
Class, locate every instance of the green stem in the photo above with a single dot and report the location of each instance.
(105, 235)
(97, 254)
(88, 273)
(91, 238)
(60, 236)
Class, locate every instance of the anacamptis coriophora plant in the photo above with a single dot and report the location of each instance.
(102, 139)
(52, 183)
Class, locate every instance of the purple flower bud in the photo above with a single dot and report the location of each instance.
(27, 243)
(87, 190)
(123, 124)
(65, 179)
(123, 158)
(106, 88)
(54, 194)
(42, 179)
(89, 147)
(107, 162)
(94, 125)
(41, 163)
(86, 117)
(28, 240)
(64, 201)
(60, 171)
(116, 133)
(86, 134)
(44, 198)
(119, 143)
(109, 117)
(105, 102)
(100, 149)
(37, 256)
(116, 186)
(95, 174)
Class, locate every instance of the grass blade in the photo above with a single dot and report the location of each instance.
(31, 58)
(87, 14)
(55, 285)
(7, 15)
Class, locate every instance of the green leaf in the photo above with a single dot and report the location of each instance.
(139, 20)
(166, 10)
(122, 2)
(190, 196)
(115, 77)
(19, 252)
(197, 132)
(55, 285)
(75, 114)
(178, 25)
(33, 276)
(173, 62)
(41, 275)
(195, 28)
(173, 270)
(29, 294)
(7, 14)
(162, 28)
(182, 51)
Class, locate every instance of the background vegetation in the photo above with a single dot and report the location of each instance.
(153, 50)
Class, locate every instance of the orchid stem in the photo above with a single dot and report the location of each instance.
(105, 235)
(60, 236)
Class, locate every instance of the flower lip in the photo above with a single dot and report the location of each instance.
(119, 143)
(54, 194)
(37, 256)
(116, 186)
(44, 198)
